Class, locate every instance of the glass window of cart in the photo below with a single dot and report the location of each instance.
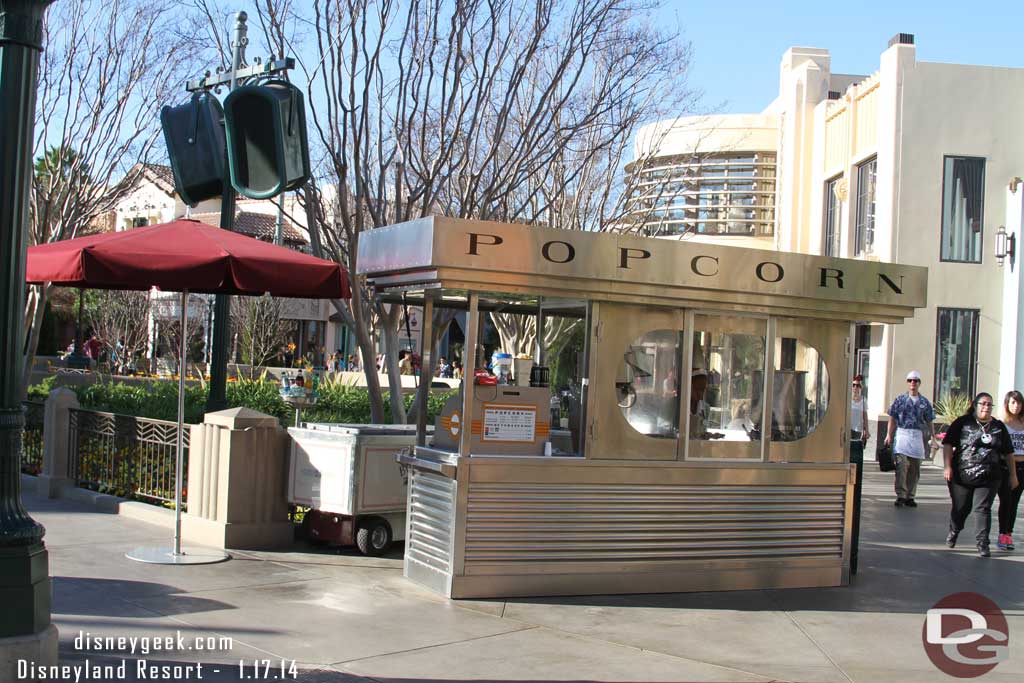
(647, 385)
(726, 380)
(800, 390)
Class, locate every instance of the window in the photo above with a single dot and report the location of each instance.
(140, 222)
(963, 193)
(800, 391)
(648, 386)
(830, 240)
(956, 351)
(865, 231)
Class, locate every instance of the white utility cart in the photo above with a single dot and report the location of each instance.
(348, 475)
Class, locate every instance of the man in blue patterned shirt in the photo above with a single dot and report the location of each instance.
(910, 418)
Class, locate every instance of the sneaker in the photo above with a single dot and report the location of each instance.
(1001, 542)
(910, 503)
(983, 551)
(1009, 542)
(951, 539)
(900, 502)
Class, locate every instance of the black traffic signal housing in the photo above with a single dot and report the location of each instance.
(268, 149)
(195, 138)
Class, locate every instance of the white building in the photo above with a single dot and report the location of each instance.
(910, 164)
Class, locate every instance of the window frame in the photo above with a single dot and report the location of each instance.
(860, 246)
(942, 208)
(972, 380)
(831, 201)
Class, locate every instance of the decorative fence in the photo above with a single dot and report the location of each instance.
(124, 455)
(32, 438)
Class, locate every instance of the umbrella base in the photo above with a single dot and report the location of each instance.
(166, 555)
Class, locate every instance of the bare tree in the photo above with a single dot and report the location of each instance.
(167, 310)
(108, 67)
(119, 318)
(260, 329)
(489, 109)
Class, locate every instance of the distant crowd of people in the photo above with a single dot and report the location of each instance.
(983, 458)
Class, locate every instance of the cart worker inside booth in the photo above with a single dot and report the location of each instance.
(699, 407)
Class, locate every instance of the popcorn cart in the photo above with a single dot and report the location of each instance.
(705, 391)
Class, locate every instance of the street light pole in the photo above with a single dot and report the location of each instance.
(24, 566)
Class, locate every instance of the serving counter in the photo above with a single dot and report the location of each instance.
(707, 446)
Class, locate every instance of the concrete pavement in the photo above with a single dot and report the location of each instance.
(343, 617)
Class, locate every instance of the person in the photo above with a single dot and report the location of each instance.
(456, 369)
(973, 448)
(353, 364)
(698, 407)
(338, 361)
(93, 347)
(1013, 479)
(860, 432)
(910, 415)
(404, 362)
(443, 368)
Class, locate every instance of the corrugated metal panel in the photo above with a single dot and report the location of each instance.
(431, 509)
(612, 522)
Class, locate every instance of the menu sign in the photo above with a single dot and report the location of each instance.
(510, 423)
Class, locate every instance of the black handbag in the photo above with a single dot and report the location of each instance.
(886, 463)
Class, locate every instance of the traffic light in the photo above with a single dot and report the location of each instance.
(194, 133)
(268, 151)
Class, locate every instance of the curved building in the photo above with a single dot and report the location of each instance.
(705, 175)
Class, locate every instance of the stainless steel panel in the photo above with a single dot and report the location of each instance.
(431, 515)
(524, 524)
(612, 258)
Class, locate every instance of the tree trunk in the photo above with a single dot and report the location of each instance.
(389, 320)
(442, 319)
(34, 320)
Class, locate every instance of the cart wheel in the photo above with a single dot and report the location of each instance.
(373, 537)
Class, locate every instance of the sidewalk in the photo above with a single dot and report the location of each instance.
(344, 617)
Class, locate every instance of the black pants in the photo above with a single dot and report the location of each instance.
(981, 499)
(1009, 499)
(856, 457)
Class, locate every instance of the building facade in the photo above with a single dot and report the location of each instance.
(913, 163)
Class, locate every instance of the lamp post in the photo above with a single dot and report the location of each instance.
(24, 573)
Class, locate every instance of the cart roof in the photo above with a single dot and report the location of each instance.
(485, 256)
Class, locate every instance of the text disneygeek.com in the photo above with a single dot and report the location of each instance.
(107, 647)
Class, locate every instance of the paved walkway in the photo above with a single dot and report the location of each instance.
(343, 617)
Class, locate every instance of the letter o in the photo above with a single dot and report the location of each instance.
(780, 273)
(570, 251)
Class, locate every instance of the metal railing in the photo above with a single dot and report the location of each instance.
(32, 438)
(124, 455)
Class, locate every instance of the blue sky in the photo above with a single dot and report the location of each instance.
(738, 43)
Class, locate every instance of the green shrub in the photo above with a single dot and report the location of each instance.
(39, 392)
(158, 400)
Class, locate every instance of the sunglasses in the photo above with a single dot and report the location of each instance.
(984, 404)
(917, 381)
(858, 386)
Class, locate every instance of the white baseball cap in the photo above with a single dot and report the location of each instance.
(914, 374)
(699, 372)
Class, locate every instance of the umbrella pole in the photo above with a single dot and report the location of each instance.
(175, 555)
(178, 474)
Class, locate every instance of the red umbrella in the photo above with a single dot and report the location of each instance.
(184, 256)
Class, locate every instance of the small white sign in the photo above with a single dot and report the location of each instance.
(515, 423)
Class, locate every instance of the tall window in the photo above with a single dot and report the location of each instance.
(963, 193)
(865, 232)
(830, 240)
(956, 351)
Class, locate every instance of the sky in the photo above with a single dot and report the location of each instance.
(738, 44)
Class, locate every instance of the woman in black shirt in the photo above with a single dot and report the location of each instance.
(975, 446)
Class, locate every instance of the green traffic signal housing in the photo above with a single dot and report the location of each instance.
(268, 149)
(194, 133)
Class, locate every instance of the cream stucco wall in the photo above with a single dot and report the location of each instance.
(947, 109)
